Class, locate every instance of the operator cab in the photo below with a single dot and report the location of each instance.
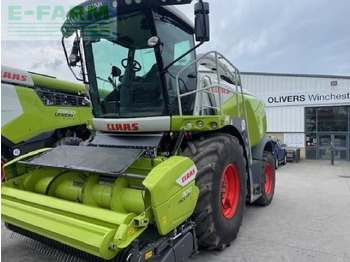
(130, 60)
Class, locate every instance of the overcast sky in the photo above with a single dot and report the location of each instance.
(273, 36)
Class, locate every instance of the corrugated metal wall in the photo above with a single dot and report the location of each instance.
(289, 118)
(285, 119)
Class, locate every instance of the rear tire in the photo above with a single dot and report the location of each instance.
(221, 179)
(269, 176)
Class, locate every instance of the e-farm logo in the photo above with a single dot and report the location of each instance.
(27, 20)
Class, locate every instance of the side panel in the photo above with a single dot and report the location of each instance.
(173, 192)
(56, 84)
(36, 118)
(11, 107)
(256, 115)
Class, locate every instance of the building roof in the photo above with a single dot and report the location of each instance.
(296, 75)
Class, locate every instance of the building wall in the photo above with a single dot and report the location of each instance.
(285, 119)
(286, 97)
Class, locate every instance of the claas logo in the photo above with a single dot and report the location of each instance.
(123, 127)
(188, 175)
(13, 76)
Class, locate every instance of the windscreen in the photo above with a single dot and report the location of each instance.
(122, 70)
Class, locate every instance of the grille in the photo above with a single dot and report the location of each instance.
(55, 98)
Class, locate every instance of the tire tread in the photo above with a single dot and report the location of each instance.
(208, 151)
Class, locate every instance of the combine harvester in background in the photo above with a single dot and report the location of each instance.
(179, 149)
(40, 111)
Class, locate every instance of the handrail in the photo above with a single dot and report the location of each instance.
(220, 68)
(213, 57)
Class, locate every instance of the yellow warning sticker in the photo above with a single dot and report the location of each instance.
(148, 255)
(164, 221)
(131, 231)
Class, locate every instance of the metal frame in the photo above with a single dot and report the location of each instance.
(232, 72)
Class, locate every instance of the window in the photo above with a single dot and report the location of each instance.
(176, 41)
(134, 90)
(332, 119)
(310, 119)
(146, 58)
(179, 49)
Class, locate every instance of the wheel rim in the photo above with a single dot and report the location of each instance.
(268, 179)
(230, 191)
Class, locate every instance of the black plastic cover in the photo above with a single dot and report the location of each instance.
(181, 251)
(128, 140)
(109, 161)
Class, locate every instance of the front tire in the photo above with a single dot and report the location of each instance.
(221, 179)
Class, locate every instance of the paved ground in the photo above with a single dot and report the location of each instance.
(308, 220)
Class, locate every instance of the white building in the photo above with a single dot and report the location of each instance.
(311, 112)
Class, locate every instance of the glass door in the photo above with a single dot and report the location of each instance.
(340, 142)
(324, 146)
(337, 141)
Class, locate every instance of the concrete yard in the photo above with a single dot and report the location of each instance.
(308, 220)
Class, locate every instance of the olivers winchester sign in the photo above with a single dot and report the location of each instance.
(307, 98)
